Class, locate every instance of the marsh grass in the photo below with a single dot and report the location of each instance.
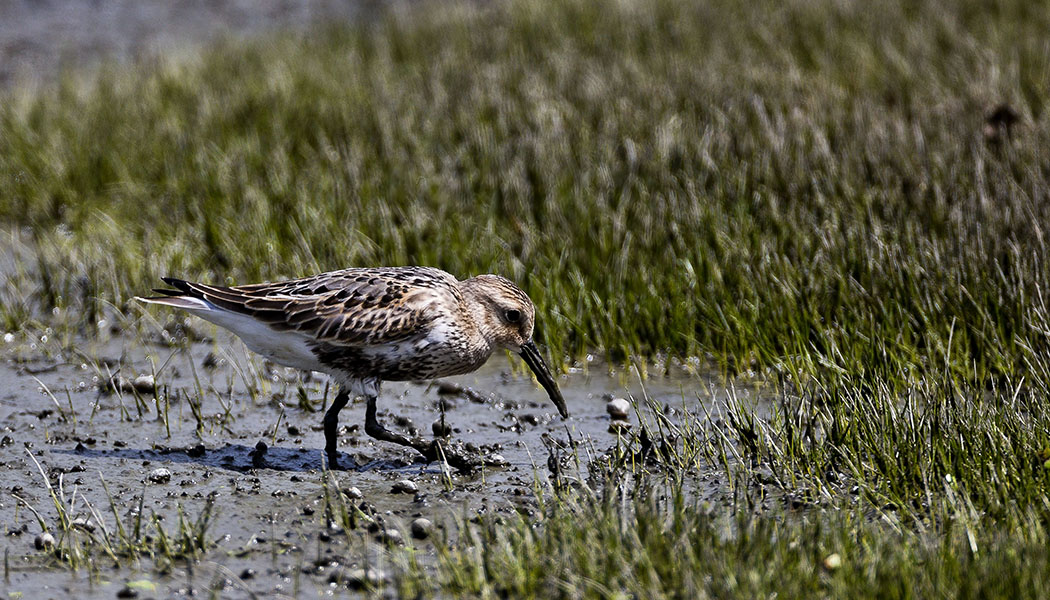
(814, 193)
(652, 542)
(762, 185)
(85, 538)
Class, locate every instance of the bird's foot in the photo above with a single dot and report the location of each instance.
(455, 455)
(334, 463)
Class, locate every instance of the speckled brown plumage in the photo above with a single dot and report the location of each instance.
(365, 326)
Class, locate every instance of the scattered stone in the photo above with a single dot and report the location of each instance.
(619, 426)
(248, 573)
(441, 429)
(44, 541)
(390, 536)
(496, 460)
(356, 579)
(833, 561)
(618, 408)
(127, 592)
(353, 493)
(294, 431)
(82, 523)
(160, 475)
(261, 448)
(144, 384)
(421, 528)
(405, 486)
(196, 451)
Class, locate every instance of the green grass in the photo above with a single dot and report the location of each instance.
(648, 546)
(760, 184)
(805, 189)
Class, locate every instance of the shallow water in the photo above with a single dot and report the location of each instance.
(269, 505)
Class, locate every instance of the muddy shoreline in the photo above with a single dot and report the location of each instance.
(225, 429)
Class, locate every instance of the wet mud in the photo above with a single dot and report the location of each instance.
(185, 428)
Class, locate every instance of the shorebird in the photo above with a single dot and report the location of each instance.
(366, 326)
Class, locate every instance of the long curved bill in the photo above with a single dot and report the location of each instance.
(543, 374)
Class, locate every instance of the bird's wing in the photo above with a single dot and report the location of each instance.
(353, 307)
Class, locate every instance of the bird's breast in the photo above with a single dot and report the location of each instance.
(440, 352)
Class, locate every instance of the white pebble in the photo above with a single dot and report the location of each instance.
(9, 337)
(391, 536)
(833, 561)
(82, 523)
(405, 486)
(44, 541)
(618, 408)
(160, 475)
(144, 384)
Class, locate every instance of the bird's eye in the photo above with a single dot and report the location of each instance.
(512, 315)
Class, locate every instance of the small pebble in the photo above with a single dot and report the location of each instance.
(441, 429)
(390, 536)
(353, 493)
(618, 408)
(421, 528)
(144, 384)
(260, 448)
(160, 475)
(496, 460)
(356, 579)
(248, 573)
(127, 592)
(44, 541)
(405, 486)
(82, 523)
(833, 561)
(619, 427)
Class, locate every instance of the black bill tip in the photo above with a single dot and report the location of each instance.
(543, 374)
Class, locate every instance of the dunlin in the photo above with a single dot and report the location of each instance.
(366, 326)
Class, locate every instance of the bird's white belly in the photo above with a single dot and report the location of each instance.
(288, 348)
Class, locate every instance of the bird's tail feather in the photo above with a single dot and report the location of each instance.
(184, 302)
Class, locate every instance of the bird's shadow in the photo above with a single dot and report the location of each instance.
(240, 458)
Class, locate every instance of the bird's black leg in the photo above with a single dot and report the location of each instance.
(377, 431)
(331, 427)
(431, 450)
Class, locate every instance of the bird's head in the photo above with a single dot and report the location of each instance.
(507, 317)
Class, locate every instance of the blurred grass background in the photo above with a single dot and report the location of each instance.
(803, 185)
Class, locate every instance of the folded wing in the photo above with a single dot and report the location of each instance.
(353, 307)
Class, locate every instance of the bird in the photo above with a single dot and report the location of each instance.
(364, 326)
